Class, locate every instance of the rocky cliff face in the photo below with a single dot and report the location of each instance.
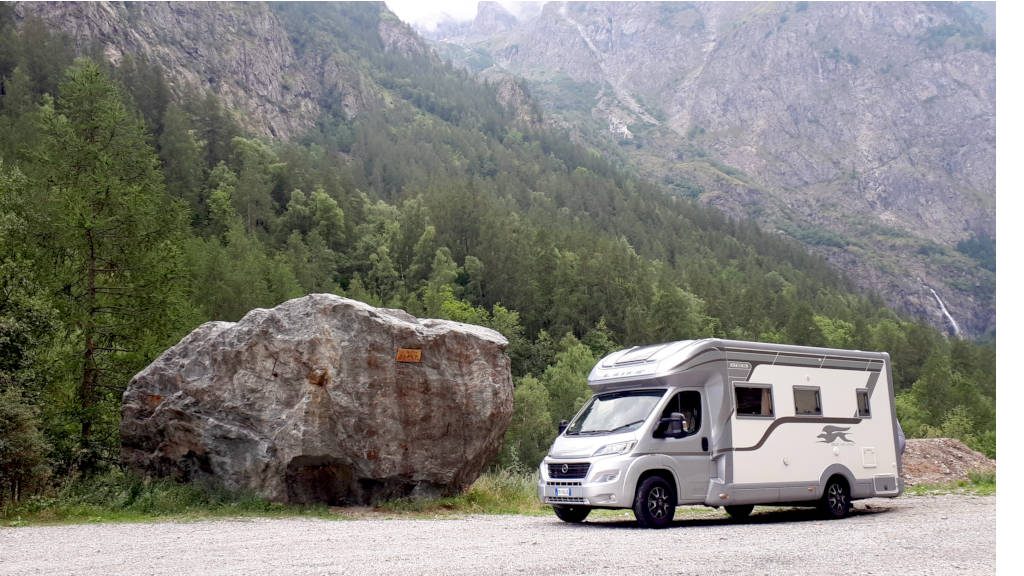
(867, 130)
(242, 52)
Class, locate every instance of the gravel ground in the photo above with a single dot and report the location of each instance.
(909, 535)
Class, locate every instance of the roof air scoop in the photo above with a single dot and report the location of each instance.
(635, 355)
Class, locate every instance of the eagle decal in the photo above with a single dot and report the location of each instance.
(830, 434)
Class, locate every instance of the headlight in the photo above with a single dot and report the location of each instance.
(607, 477)
(617, 448)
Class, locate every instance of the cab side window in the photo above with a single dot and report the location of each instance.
(686, 403)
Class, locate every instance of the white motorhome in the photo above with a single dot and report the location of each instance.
(727, 423)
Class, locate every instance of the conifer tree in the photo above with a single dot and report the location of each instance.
(108, 240)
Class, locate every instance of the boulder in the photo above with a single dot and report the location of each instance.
(322, 399)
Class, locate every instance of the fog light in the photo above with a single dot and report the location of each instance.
(723, 496)
(607, 476)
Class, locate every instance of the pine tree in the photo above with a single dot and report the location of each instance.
(108, 239)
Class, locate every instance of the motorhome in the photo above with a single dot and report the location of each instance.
(730, 424)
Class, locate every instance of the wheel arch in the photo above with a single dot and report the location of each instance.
(834, 471)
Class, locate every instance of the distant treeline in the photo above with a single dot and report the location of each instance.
(129, 216)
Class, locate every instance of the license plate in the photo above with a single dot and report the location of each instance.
(563, 491)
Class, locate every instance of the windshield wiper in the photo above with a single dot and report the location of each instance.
(624, 426)
(616, 429)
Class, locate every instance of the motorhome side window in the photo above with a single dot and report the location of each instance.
(807, 401)
(754, 401)
(863, 404)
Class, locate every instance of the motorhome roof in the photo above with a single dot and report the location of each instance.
(643, 363)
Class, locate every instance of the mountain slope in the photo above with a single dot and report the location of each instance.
(425, 190)
(865, 130)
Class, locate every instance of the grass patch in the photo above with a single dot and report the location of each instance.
(978, 484)
(120, 497)
(501, 492)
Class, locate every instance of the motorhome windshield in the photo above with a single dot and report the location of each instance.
(615, 412)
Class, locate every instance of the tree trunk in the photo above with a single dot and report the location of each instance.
(87, 388)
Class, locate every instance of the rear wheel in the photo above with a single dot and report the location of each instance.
(836, 501)
(740, 511)
(572, 514)
(655, 503)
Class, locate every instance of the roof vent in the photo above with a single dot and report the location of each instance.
(638, 354)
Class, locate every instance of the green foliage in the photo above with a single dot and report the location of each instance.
(181, 157)
(836, 333)
(498, 492)
(118, 496)
(981, 248)
(977, 483)
(531, 431)
(817, 236)
(944, 402)
(106, 239)
(566, 379)
(23, 449)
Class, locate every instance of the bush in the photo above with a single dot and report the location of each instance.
(23, 449)
(117, 495)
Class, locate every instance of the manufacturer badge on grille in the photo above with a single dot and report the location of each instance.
(565, 468)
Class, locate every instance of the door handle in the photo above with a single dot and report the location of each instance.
(704, 443)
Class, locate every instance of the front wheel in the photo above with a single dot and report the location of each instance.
(655, 503)
(836, 501)
(572, 514)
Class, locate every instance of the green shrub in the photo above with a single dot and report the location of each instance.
(120, 496)
(23, 449)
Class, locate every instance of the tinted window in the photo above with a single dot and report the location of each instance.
(863, 404)
(686, 403)
(754, 401)
(807, 401)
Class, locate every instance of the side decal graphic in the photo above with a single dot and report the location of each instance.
(830, 434)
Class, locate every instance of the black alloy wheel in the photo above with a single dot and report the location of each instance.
(655, 503)
(835, 503)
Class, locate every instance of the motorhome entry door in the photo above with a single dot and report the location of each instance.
(690, 454)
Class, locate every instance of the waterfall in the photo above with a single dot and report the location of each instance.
(945, 312)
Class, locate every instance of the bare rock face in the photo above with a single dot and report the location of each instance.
(322, 399)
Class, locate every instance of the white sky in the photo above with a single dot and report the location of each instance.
(427, 13)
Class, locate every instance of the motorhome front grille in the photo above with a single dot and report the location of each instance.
(568, 470)
(566, 500)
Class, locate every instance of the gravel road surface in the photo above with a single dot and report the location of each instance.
(910, 535)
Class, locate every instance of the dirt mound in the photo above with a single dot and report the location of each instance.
(941, 461)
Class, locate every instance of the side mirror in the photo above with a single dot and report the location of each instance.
(671, 427)
(562, 425)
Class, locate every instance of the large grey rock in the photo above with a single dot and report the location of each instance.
(307, 402)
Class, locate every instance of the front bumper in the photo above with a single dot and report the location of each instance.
(603, 485)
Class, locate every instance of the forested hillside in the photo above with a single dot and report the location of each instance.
(864, 130)
(129, 216)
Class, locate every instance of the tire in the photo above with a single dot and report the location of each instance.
(655, 503)
(740, 511)
(835, 503)
(572, 514)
